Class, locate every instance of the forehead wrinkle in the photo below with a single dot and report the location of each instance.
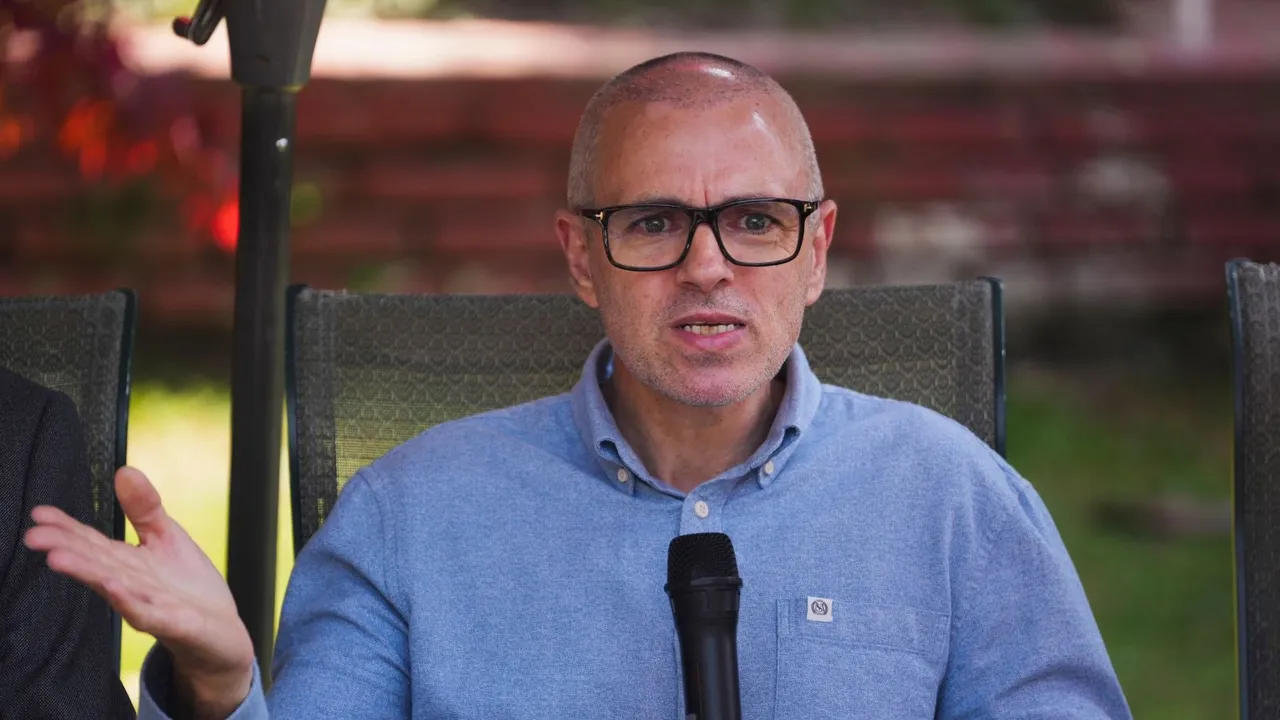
(756, 130)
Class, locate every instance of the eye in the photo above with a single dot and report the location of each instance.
(650, 221)
(653, 224)
(756, 222)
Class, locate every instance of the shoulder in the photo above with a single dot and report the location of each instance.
(458, 450)
(42, 446)
(906, 427)
(927, 453)
(20, 395)
(28, 409)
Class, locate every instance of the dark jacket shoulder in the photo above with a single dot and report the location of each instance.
(55, 633)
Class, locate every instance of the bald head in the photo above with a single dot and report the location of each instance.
(687, 81)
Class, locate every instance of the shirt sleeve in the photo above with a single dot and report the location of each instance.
(157, 679)
(1024, 641)
(342, 645)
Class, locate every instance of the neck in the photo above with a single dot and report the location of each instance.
(682, 445)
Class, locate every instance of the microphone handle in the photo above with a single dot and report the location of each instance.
(711, 673)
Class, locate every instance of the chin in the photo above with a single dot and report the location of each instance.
(712, 380)
(718, 392)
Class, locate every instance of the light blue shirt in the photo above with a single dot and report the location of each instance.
(511, 565)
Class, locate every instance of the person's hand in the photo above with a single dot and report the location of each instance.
(165, 586)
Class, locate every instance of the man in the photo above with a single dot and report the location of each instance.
(511, 565)
(55, 639)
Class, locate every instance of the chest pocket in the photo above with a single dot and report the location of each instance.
(864, 661)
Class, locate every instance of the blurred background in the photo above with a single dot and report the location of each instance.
(1103, 157)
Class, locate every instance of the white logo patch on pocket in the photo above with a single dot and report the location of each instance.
(819, 609)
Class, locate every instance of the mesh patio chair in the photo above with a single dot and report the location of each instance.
(1253, 291)
(366, 372)
(81, 345)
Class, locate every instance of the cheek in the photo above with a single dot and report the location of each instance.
(784, 313)
(786, 299)
(630, 306)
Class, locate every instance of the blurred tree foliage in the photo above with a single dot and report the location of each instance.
(139, 147)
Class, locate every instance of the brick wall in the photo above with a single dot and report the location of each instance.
(1068, 185)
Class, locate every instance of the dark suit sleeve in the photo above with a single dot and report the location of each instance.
(55, 654)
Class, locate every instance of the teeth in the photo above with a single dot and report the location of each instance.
(708, 329)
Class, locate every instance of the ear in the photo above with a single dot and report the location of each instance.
(571, 229)
(822, 229)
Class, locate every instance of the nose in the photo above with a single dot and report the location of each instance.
(705, 266)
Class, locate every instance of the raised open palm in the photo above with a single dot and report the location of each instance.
(165, 586)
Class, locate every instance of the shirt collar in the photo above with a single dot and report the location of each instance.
(600, 433)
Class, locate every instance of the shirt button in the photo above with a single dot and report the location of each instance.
(623, 475)
(700, 509)
(768, 468)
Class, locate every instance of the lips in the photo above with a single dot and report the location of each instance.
(717, 329)
(709, 324)
(708, 319)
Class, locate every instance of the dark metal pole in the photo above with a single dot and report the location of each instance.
(271, 43)
(257, 385)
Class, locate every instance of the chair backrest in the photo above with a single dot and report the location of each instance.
(366, 372)
(1253, 292)
(81, 345)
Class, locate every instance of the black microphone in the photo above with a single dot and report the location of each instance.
(704, 587)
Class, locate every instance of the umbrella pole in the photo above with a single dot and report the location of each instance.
(271, 47)
(257, 384)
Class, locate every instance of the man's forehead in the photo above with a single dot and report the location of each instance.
(698, 155)
(694, 113)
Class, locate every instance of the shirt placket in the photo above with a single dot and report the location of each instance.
(703, 508)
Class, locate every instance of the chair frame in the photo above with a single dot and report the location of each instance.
(1000, 362)
(999, 387)
(1235, 311)
(291, 412)
(124, 394)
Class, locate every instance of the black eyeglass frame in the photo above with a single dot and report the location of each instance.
(697, 216)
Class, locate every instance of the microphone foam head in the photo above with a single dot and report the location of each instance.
(700, 555)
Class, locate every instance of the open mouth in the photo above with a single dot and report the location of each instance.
(709, 329)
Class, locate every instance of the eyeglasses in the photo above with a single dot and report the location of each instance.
(756, 232)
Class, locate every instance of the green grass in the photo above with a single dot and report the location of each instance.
(1164, 606)
(182, 440)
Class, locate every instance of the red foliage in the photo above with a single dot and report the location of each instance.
(72, 92)
(226, 223)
